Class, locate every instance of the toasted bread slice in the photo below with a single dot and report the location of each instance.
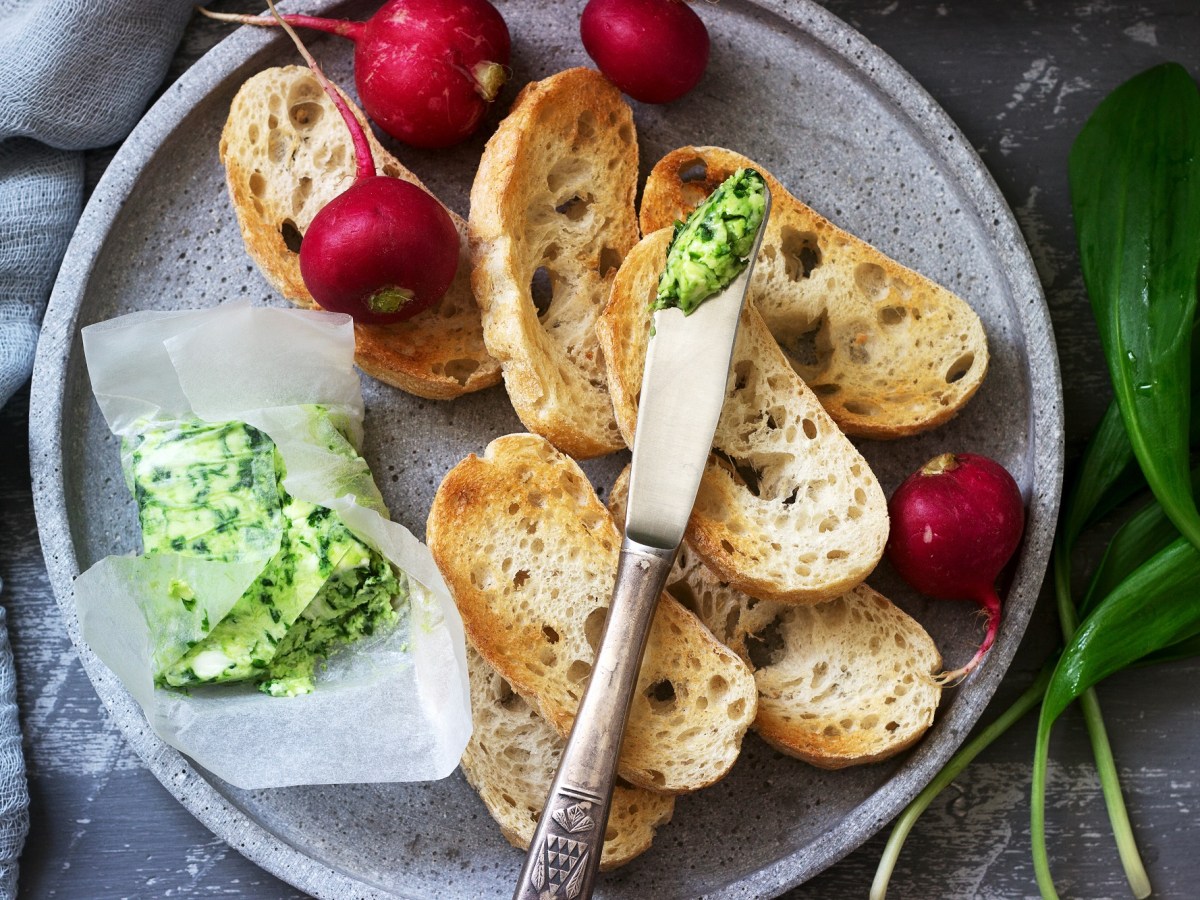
(889, 352)
(287, 153)
(552, 212)
(530, 556)
(840, 683)
(788, 509)
(511, 760)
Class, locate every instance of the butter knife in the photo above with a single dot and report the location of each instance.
(683, 390)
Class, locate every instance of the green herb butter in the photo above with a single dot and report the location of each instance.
(713, 246)
(215, 491)
(204, 490)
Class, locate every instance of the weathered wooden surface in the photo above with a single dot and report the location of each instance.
(1019, 79)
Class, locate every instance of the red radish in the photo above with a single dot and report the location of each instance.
(955, 523)
(426, 70)
(383, 250)
(653, 50)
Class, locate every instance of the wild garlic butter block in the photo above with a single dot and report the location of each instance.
(215, 491)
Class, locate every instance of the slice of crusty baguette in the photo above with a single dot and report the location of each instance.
(552, 202)
(889, 352)
(840, 683)
(530, 556)
(511, 760)
(287, 153)
(787, 509)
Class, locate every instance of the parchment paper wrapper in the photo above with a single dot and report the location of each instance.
(394, 707)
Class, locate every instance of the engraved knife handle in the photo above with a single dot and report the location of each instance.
(564, 854)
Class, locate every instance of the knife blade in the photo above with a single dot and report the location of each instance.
(683, 390)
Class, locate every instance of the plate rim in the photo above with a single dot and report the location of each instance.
(268, 850)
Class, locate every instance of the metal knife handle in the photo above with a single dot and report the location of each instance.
(564, 854)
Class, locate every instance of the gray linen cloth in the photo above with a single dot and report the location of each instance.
(74, 75)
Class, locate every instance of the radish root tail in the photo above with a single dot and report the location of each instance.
(990, 604)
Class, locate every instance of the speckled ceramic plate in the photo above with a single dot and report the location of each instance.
(788, 85)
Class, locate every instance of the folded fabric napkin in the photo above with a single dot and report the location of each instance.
(74, 75)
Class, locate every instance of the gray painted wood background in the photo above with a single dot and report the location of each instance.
(1019, 78)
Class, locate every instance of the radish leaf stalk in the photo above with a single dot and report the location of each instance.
(383, 250)
(426, 70)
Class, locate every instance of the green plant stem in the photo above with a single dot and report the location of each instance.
(1106, 767)
(1110, 785)
(959, 761)
(1037, 813)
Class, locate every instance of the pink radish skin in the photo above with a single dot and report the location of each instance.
(383, 250)
(955, 524)
(653, 50)
(426, 70)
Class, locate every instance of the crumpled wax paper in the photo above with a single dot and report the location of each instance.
(392, 707)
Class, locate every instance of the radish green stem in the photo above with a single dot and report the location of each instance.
(1106, 767)
(959, 761)
(340, 27)
(364, 161)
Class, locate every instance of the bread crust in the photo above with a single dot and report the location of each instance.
(511, 760)
(787, 509)
(530, 557)
(280, 175)
(840, 683)
(889, 352)
(554, 194)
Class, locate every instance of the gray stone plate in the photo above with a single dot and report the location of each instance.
(790, 86)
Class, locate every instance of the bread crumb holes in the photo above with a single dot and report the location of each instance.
(960, 367)
(801, 253)
(661, 696)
